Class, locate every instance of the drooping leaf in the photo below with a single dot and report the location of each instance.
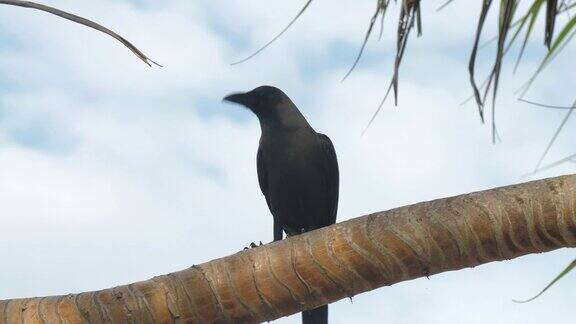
(545, 105)
(566, 34)
(570, 158)
(569, 268)
(509, 31)
(82, 21)
(444, 5)
(409, 13)
(472, 63)
(384, 5)
(551, 10)
(556, 134)
(381, 8)
(277, 36)
(507, 9)
(409, 16)
(533, 14)
(506, 15)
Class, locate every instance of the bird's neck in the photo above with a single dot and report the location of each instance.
(285, 120)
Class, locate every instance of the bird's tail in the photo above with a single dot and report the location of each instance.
(316, 316)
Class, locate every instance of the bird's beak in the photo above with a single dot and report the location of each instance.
(240, 98)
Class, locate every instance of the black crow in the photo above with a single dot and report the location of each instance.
(297, 170)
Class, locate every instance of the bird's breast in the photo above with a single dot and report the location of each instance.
(293, 165)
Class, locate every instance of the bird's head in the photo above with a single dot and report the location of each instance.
(263, 101)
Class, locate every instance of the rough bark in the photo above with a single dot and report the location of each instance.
(336, 262)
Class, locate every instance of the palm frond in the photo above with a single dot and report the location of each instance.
(551, 11)
(509, 33)
(556, 134)
(277, 36)
(566, 34)
(82, 21)
(569, 268)
(527, 23)
(507, 9)
(544, 105)
(444, 5)
(381, 8)
(570, 158)
(532, 14)
(472, 63)
(410, 16)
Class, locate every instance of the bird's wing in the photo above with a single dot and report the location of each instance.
(263, 176)
(331, 175)
(263, 181)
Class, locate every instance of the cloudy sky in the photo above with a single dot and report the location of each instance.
(113, 172)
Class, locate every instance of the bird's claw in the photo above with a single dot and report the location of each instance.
(253, 245)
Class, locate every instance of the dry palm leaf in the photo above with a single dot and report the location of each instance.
(277, 36)
(82, 21)
(381, 8)
(551, 10)
(507, 10)
(410, 15)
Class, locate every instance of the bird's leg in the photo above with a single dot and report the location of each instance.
(277, 231)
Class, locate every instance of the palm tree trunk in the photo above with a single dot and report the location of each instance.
(332, 263)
